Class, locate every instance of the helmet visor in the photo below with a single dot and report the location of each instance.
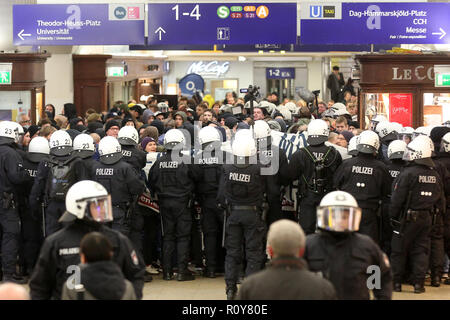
(409, 155)
(407, 138)
(338, 219)
(100, 209)
(445, 146)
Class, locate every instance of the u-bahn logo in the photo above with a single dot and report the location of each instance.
(322, 11)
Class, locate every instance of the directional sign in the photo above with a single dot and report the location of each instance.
(216, 23)
(78, 24)
(280, 73)
(375, 23)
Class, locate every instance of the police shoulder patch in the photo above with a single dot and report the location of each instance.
(134, 257)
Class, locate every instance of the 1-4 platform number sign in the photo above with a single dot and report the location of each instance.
(220, 23)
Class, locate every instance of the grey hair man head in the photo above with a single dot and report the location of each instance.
(285, 239)
(12, 291)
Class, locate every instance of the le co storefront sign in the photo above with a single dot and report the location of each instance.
(412, 74)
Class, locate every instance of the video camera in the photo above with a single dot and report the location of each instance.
(252, 92)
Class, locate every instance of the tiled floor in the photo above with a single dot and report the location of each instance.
(214, 289)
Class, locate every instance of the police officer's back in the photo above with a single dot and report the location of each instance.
(31, 218)
(209, 161)
(128, 138)
(54, 177)
(343, 256)
(395, 152)
(12, 176)
(417, 193)
(274, 160)
(172, 179)
(119, 179)
(314, 167)
(84, 148)
(366, 179)
(242, 190)
(444, 158)
(88, 209)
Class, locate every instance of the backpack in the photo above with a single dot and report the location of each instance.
(61, 177)
(318, 181)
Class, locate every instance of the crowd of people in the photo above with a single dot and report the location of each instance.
(193, 188)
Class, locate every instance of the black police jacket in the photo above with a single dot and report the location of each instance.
(365, 178)
(40, 182)
(422, 185)
(12, 173)
(137, 158)
(120, 180)
(25, 189)
(59, 258)
(209, 167)
(395, 167)
(88, 163)
(301, 166)
(286, 278)
(173, 176)
(443, 160)
(242, 185)
(345, 260)
(274, 163)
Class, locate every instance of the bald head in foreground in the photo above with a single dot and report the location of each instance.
(287, 277)
(12, 291)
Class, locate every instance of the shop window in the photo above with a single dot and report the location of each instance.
(13, 103)
(436, 108)
(396, 107)
(219, 88)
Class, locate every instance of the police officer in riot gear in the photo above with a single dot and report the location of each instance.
(54, 177)
(12, 176)
(351, 148)
(388, 132)
(172, 179)
(375, 121)
(406, 134)
(120, 180)
(343, 256)
(444, 158)
(396, 163)
(129, 139)
(242, 192)
(84, 147)
(314, 167)
(31, 218)
(210, 160)
(417, 194)
(274, 160)
(366, 179)
(437, 249)
(88, 209)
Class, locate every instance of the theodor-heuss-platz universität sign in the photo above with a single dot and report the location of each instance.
(79, 24)
(375, 23)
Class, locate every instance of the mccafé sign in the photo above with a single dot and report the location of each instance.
(417, 73)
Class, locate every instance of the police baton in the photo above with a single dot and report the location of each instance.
(162, 225)
(223, 227)
(43, 219)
